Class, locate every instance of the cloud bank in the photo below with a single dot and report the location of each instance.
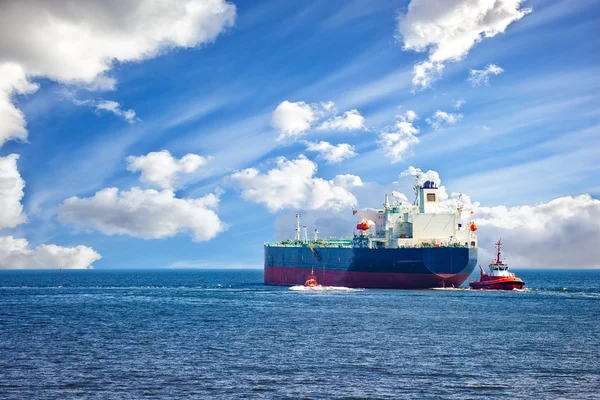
(16, 254)
(562, 233)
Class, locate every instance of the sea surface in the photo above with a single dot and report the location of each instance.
(222, 334)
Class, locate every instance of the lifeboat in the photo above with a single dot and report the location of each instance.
(362, 226)
(498, 278)
(311, 280)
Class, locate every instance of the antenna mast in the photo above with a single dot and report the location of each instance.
(499, 246)
(298, 226)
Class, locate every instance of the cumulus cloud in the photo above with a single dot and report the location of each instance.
(11, 193)
(479, 77)
(442, 118)
(78, 42)
(115, 108)
(292, 184)
(350, 120)
(15, 253)
(398, 141)
(448, 29)
(162, 169)
(293, 120)
(562, 233)
(333, 154)
(12, 121)
(420, 176)
(459, 103)
(147, 214)
(347, 181)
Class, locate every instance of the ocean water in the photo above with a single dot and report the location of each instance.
(223, 335)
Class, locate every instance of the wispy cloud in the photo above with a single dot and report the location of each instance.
(115, 108)
(479, 77)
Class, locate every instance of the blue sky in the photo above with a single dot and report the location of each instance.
(529, 136)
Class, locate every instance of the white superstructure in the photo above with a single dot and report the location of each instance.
(424, 223)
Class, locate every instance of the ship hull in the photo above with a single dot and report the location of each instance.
(403, 268)
(500, 284)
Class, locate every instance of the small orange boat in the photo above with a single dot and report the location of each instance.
(311, 280)
(499, 278)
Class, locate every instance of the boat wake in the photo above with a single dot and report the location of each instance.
(319, 288)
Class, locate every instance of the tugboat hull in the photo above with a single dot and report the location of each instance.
(500, 284)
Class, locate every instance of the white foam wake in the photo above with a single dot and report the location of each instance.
(301, 288)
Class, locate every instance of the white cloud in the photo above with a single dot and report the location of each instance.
(115, 108)
(16, 254)
(425, 73)
(101, 83)
(11, 193)
(147, 214)
(459, 103)
(332, 153)
(399, 197)
(12, 82)
(350, 120)
(292, 184)
(482, 76)
(562, 233)
(448, 29)
(347, 181)
(398, 141)
(442, 118)
(78, 42)
(420, 176)
(293, 119)
(162, 169)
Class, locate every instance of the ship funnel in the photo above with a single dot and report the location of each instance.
(387, 201)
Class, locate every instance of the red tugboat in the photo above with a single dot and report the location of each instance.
(499, 278)
(311, 280)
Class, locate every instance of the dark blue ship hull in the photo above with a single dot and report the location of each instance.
(402, 268)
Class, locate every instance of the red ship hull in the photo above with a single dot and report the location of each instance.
(498, 284)
(297, 276)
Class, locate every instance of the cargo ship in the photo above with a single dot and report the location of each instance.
(405, 245)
